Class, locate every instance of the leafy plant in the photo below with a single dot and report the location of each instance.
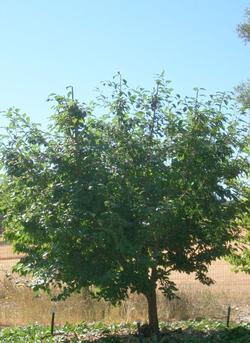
(116, 202)
(179, 332)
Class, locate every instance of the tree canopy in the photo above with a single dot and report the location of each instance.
(120, 192)
(244, 28)
(240, 256)
(243, 89)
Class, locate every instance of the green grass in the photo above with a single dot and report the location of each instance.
(179, 332)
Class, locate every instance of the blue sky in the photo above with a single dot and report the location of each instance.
(47, 45)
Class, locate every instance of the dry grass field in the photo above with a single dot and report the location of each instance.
(19, 305)
(7, 258)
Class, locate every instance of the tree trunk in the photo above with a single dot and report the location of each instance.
(152, 311)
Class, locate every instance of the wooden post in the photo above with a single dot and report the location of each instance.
(52, 323)
(228, 315)
(53, 313)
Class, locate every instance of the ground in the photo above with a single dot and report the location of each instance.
(179, 332)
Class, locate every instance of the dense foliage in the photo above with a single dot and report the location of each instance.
(154, 183)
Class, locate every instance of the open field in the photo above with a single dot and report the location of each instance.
(226, 280)
(20, 306)
(220, 271)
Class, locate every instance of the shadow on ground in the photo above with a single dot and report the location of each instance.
(235, 335)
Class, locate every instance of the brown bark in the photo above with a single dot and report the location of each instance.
(152, 311)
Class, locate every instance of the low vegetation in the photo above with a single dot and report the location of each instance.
(183, 332)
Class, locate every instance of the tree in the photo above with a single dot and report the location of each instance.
(240, 256)
(119, 201)
(243, 89)
(244, 28)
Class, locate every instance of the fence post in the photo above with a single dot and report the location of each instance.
(52, 323)
(228, 315)
(53, 312)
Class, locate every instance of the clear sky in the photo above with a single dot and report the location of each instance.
(49, 44)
